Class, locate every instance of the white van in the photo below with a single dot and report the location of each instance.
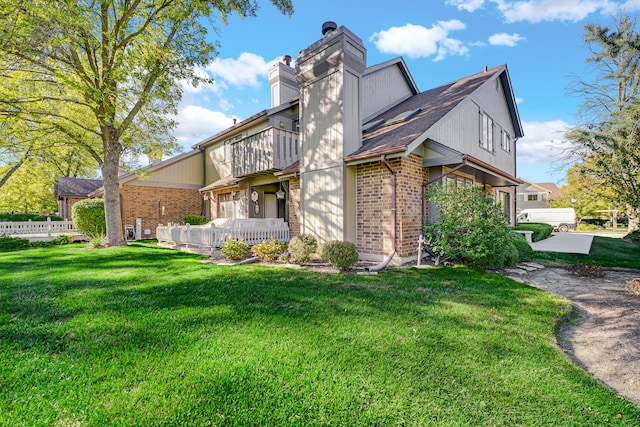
(562, 219)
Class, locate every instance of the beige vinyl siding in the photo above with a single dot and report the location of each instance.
(383, 88)
(322, 121)
(352, 120)
(323, 204)
(185, 173)
(460, 129)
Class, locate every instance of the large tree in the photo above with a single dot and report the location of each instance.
(106, 73)
(607, 144)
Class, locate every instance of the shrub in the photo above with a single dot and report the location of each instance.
(634, 236)
(342, 255)
(471, 228)
(586, 227)
(195, 219)
(525, 251)
(62, 239)
(269, 251)
(88, 217)
(301, 248)
(540, 231)
(7, 242)
(27, 217)
(234, 250)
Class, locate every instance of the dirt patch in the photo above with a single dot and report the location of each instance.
(605, 339)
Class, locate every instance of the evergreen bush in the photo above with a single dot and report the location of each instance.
(342, 255)
(195, 219)
(8, 242)
(524, 250)
(234, 250)
(88, 217)
(269, 251)
(301, 248)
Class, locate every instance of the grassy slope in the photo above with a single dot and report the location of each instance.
(147, 336)
(605, 251)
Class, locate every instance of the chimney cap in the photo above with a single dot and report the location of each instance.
(287, 59)
(328, 27)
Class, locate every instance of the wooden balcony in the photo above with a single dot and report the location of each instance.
(268, 151)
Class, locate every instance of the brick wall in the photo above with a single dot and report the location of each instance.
(147, 202)
(294, 207)
(373, 211)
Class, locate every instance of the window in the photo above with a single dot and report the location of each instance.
(505, 141)
(486, 132)
(532, 197)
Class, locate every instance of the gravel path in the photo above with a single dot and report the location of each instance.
(605, 341)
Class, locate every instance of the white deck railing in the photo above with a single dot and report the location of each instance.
(47, 227)
(214, 237)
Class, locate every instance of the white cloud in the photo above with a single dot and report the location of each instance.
(242, 72)
(504, 39)
(543, 142)
(550, 10)
(196, 123)
(417, 41)
(468, 5)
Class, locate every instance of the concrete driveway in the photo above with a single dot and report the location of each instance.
(573, 243)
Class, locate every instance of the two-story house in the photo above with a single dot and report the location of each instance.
(535, 195)
(347, 151)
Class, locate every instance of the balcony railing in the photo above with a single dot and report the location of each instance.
(271, 150)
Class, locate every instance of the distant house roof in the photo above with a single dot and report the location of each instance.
(75, 187)
(226, 182)
(554, 191)
(429, 107)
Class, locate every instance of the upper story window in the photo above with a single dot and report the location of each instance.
(505, 141)
(532, 197)
(486, 132)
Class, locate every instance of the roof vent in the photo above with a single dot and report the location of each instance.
(328, 26)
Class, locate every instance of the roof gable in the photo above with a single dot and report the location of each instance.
(75, 187)
(433, 104)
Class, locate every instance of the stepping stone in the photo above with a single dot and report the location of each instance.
(516, 271)
(526, 267)
(534, 265)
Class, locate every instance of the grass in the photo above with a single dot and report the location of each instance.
(605, 251)
(145, 336)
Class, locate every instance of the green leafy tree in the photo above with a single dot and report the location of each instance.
(607, 145)
(106, 72)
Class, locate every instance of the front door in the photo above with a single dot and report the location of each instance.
(270, 206)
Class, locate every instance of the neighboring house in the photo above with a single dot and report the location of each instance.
(347, 152)
(531, 195)
(67, 191)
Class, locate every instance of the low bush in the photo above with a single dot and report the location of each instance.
(634, 236)
(269, 251)
(195, 219)
(8, 242)
(88, 217)
(27, 217)
(234, 250)
(586, 227)
(342, 255)
(301, 248)
(525, 251)
(540, 231)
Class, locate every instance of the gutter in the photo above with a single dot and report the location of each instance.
(394, 218)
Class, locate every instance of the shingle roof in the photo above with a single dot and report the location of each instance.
(555, 192)
(434, 104)
(80, 187)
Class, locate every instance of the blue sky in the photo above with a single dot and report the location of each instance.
(442, 40)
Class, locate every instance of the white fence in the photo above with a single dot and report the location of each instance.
(47, 227)
(214, 237)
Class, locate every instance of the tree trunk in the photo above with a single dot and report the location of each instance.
(633, 215)
(110, 181)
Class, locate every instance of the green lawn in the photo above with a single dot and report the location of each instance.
(605, 251)
(145, 336)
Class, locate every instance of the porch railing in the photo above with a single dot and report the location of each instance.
(214, 237)
(47, 227)
(268, 150)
